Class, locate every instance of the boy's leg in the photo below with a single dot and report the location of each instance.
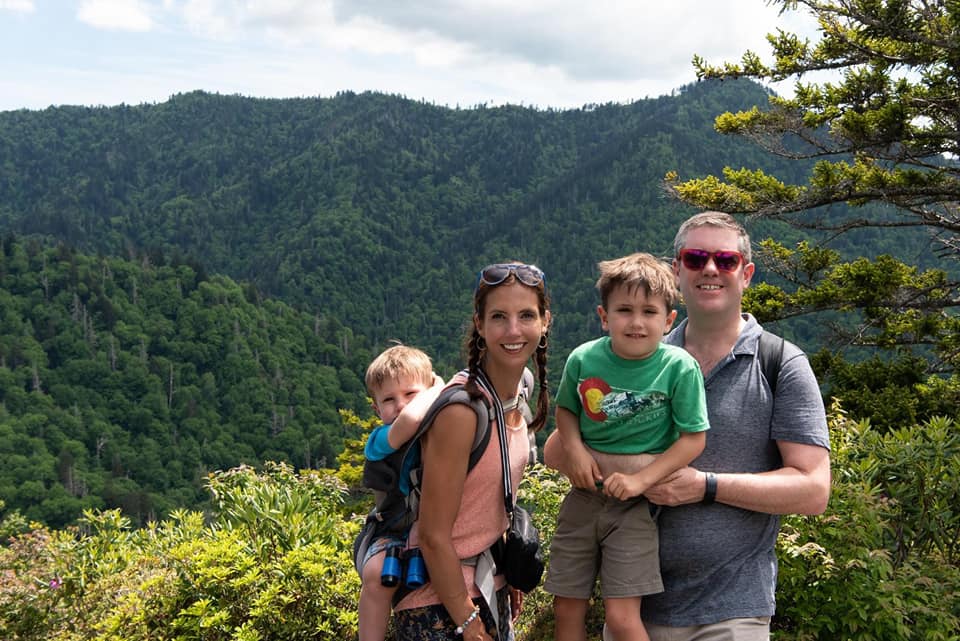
(630, 567)
(569, 619)
(630, 559)
(574, 558)
(622, 620)
(747, 629)
(376, 600)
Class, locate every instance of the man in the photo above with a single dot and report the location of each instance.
(719, 526)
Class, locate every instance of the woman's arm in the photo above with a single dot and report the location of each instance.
(446, 452)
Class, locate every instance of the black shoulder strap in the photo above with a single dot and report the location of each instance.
(450, 395)
(770, 352)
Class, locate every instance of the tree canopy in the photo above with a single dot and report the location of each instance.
(123, 383)
(880, 135)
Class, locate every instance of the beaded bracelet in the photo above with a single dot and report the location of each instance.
(463, 626)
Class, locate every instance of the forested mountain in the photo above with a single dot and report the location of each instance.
(123, 384)
(372, 209)
(126, 372)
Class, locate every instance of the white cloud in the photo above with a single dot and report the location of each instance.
(115, 15)
(546, 53)
(622, 41)
(23, 6)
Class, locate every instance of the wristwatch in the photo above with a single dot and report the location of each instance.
(710, 491)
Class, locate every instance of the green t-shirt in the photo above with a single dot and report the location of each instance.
(633, 406)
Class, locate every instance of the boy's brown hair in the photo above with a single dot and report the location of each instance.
(638, 270)
(398, 361)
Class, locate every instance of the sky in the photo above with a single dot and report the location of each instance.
(458, 53)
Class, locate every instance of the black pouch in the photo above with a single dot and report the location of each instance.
(517, 555)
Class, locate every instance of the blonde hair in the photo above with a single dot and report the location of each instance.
(639, 270)
(396, 362)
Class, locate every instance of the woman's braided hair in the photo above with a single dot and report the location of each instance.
(474, 347)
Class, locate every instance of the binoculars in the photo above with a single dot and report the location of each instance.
(393, 566)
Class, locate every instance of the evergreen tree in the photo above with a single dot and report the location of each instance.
(881, 144)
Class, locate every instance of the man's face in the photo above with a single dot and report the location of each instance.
(711, 290)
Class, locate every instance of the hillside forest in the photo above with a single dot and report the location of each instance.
(199, 283)
(190, 292)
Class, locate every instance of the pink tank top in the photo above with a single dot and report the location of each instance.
(481, 519)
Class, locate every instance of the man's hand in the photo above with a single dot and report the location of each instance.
(684, 486)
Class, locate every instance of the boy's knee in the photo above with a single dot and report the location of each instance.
(568, 608)
(622, 618)
(371, 573)
(377, 590)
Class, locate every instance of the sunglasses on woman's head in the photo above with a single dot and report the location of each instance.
(495, 274)
(697, 259)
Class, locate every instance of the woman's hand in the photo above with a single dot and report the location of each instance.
(476, 631)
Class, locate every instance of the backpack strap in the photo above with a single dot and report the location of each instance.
(456, 393)
(451, 394)
(522, 402)
(770, 353)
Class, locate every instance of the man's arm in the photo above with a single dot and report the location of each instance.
(686, 448)
(801, 486)
(553, 455)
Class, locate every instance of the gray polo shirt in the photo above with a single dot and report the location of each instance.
(718, 562)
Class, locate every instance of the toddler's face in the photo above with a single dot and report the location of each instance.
(394, 395)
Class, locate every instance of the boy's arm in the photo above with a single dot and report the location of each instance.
(406, 424)
(582, 469)
(680, 454)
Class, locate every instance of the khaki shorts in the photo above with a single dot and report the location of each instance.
(746, 629)
(598, 535)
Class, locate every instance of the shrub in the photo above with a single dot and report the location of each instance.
(274, 564)
(881, 563)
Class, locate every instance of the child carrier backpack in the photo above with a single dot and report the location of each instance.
(394, 512)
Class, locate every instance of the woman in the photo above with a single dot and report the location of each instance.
(461, 514)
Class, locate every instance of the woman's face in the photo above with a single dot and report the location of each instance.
(512, 324)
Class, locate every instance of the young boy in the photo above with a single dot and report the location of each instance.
(394, 378)
(630, 411)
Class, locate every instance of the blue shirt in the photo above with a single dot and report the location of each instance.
(378, 448)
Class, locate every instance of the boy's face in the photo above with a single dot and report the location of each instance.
(394, 395)
(636, 321)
